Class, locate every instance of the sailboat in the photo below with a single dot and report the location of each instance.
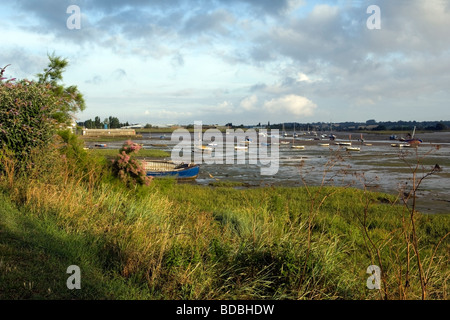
(293, 141)
(200, 147)
(414, 141)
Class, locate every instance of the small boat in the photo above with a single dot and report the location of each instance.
(412, 140)
(324, 144)
(204, 148)
(298, 147)
(353, 149)
(102, 145)
(285, 142)
(400, 145)
(343, 143)
(241, 147)
(393, 137)
(155, 168)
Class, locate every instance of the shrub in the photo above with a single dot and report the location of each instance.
(129, 170)
(26, 122)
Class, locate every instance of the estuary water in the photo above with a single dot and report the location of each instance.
(377, 165)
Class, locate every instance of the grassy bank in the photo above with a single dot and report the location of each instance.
(143, 153)
(110, 139)
(179, 241)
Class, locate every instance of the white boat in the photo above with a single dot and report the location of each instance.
(203, 148)
(240, 148)
(400, 145)
(324, 144)
(353, 149)
(284, 132)
(298, 147)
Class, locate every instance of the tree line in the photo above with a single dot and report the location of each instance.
(109, 123)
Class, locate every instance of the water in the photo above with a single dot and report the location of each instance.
(378, 166)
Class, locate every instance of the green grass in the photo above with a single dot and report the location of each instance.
(144, 153)
(110, 139)
(35, 255)
(180, 241)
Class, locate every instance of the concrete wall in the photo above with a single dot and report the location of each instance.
(108, 132)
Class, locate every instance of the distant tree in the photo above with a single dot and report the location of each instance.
(114, 123)
(89, 124)
(440, 126)
(380, 127)
(97, 123)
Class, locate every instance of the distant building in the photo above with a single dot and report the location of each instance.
(134, 126)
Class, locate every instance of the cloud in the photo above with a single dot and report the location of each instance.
(274, 53)
(97, 79)
(218, 22)
(249, 103)
(291, 105)
(119, 74)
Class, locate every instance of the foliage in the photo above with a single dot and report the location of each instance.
(31, 111)
(26, 117)
(71, 99)
(111, 122)
(129, 170)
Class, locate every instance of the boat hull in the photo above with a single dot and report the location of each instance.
(186, 172)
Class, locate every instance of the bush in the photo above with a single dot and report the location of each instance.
(26, 122)
(129, 170)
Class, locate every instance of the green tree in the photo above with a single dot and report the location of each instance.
(441, 126)
(97, 123)
(72, 100)
(114, 122)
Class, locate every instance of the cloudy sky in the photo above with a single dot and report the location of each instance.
(240, 61)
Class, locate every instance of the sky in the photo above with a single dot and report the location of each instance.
(239, 61)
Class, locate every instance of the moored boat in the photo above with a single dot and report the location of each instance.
(400, 145)
(155, 168)
(204, 148)
(343, 143)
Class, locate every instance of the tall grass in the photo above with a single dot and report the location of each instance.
(178, 241)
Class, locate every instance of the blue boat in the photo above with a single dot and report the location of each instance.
(182, 171)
